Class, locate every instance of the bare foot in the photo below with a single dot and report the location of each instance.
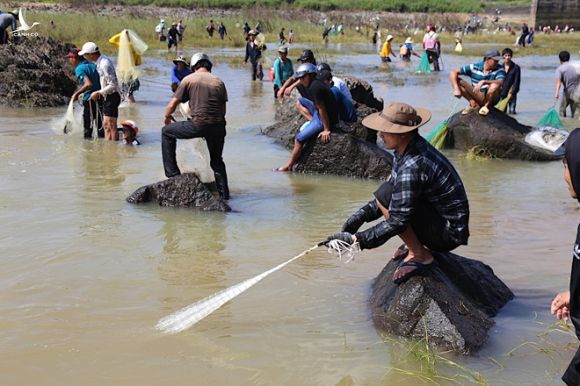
(282, 169)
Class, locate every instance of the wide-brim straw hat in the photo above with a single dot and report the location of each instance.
(397, 118)
(408, 40)
(180, 59)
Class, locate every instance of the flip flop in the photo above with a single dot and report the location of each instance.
(420, 270)
(468, 109)
(401, 252)
(484, 111)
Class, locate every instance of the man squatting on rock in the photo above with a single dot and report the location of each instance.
(423, 202)
(567, 304)
(207, 97)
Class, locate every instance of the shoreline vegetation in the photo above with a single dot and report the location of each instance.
(94, 21)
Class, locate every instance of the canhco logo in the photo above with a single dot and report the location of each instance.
(24, 26)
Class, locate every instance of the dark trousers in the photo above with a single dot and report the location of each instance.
(276, 89)
(257, 71)
(3, 36)
(512, 104)
(433, 57)
(93, 114)
(572, 375)
(213, 134)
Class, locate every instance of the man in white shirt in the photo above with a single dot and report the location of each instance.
(109, 88)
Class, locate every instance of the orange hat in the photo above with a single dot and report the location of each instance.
(131, 125)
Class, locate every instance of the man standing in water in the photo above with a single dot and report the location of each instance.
(207, 97)
(109, 88)
(566, 305)
(423, 201)
(254, 54)
(511, 84)
(567, 77)
(89, 82)
(486, 81)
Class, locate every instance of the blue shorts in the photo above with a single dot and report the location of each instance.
(314, 126)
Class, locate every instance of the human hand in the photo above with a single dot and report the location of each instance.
(168, 119)
(342, 236)
(280, 94)
(456, 92)
(75, 96)
(324, 136)
(560, 306)
(94, 96)
(287, 91)
(477, 87)
(556, 96)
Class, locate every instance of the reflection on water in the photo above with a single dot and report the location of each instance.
(86, 276)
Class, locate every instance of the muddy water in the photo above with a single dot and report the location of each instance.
(86, 276)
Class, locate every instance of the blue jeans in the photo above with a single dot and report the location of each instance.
(314, 126)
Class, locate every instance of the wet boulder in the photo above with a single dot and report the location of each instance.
(452, 305)
(35, 73)
(185, 190)
(496, 135)
(352, 150)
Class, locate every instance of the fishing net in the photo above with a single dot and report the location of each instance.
(502, 104)
(69, 123)
(131, 49)
(424, 66)
(343, 250)
(550, 119)
(438, 136)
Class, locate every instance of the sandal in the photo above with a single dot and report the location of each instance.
(484, 111)
(420, 270)
(401, 252)
(468, 109)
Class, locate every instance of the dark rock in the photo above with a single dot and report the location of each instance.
(344, 155)
(452, 306)
(352, 150)
(496, 135)
(185, 190)
(35, 73)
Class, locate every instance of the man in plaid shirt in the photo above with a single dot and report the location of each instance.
(423, 201)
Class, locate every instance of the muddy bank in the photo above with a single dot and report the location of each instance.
(35, 73)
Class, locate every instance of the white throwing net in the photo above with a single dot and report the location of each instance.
(343, 250)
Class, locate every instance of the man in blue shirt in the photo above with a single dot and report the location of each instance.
(283, 69)
(178, 72)
(346, 110)
(486, 81)
(89, 81)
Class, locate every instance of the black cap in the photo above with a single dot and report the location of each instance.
(323, 66)
(307, 56)
(383, 193)
(324, 75)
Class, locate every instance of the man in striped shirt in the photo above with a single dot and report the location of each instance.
(486, 81)
(423, 201)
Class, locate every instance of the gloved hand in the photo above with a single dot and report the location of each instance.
(343, 236)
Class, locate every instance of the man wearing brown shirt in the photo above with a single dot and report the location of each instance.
(207, 97)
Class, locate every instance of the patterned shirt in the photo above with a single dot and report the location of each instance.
(475, 71)
(422, 174)
(108, 76)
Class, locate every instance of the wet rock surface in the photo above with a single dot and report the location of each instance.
(35, 73)
(185, 190)
(352, 150)
(496, 135)
(452, 305)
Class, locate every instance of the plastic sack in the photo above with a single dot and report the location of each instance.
(424, 66)
(459, 48)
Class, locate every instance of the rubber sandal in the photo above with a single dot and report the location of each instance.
(420, 270)
(401, 252)
(468, 109)
(484, 111)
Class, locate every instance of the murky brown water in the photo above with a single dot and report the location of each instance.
(86, 276)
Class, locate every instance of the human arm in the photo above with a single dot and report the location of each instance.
(517, 80)
(325, 134)
(367, 213)
(560, 306)
(406, 190)
(247, 53)
(454, 79)
(415, 53)
(87, 85)
(277, 73)
(558, 84)
(170, 109)
(287, 87)
(174, 78)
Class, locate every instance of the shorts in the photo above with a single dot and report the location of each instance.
(111, 105)
(314, 126)
(427, 224)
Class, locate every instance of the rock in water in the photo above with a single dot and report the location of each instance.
(352, 150)
(185, 190)
(496, 135)
(35, 73)
(452, 306)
